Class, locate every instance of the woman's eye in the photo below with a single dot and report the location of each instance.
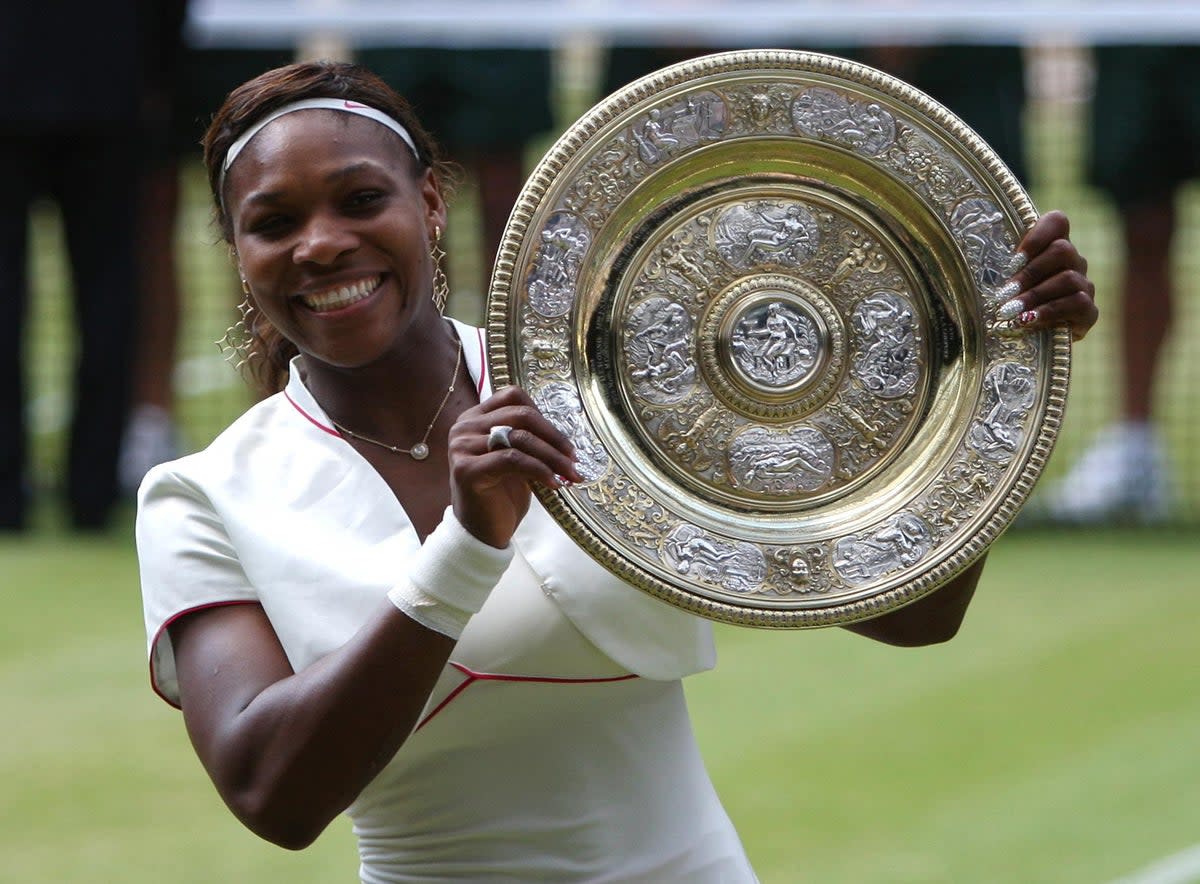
(364, 199)
(269, 225)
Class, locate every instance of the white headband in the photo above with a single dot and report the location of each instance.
(337, 104)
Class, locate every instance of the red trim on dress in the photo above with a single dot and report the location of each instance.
(473, 676)
(312, 420)
(483, 369)
(173, 618)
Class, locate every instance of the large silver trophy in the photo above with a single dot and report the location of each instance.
(758, 292)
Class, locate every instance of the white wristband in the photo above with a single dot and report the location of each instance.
(428, 611)
(452, 577)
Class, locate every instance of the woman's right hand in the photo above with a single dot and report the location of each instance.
(490, 489)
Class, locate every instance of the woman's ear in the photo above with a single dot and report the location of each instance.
(435, 203)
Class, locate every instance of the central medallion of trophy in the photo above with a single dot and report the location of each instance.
(772, 347)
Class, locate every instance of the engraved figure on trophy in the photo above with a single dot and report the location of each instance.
(780, 350)
(604, 181)
(1010, 390)
(957, 494)
(677, 259)
(759, 232)
(885, 359)
(702, 118)
(799, 570)
(738, 567)
(639, 518)
(930, 168)
(679, 262)
(824, 113)
(782, 463)
(655, 139)
(555, 270)
(559, 402)
(900, 543)
(658, 351)
(694, 439)
(761, 109)
(861, 254)
(685, 124)
(979, 226)
(544, 353)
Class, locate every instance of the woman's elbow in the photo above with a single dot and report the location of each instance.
(277, 820)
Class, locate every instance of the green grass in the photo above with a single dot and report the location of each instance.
(1052, 741)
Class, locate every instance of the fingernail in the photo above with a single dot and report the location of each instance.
(1011, 309)
(1028, 317)
(1016, 263)
(1008, 290)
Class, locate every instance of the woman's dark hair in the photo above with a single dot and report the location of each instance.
(269, 352)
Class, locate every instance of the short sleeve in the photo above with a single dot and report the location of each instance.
(187, 563)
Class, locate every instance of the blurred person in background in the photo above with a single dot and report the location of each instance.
(149, 436)
(352, 595)
(1145, 145)
(983, 85)
(484, 106)
(72, 131)
(188, 83)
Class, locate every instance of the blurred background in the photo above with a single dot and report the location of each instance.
(1050, 742)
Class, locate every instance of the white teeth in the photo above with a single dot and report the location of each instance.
(335, 299)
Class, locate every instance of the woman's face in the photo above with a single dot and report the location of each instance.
(332, 233)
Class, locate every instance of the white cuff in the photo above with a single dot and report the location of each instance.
(456, 567)
(451, 579)
(428, 611)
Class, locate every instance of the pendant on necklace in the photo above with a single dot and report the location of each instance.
(420, 451)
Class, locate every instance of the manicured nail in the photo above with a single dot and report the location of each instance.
(1011, 309)
(1008, 290)
(1029, 317)
(1016, 263)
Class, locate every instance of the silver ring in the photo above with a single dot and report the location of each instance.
(498, 437)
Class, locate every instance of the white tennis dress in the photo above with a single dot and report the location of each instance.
(556, 745)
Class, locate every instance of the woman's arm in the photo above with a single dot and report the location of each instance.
(1049, 287)
(932, 619)
(290, 751)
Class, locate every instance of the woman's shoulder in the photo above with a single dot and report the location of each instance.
(240, 445)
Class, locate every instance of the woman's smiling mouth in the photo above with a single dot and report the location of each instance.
(342, 296)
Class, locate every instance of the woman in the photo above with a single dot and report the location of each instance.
(315, 581)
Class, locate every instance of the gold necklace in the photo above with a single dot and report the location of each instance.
(420, 451)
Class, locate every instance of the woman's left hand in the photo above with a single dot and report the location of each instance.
(1052, 287)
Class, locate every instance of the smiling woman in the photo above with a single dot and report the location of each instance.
(332, 221)
(351, 594)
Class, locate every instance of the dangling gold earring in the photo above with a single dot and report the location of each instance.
(441, 286)
(237, 344)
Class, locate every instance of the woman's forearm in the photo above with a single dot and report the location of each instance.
(929, 620)
(289, 752)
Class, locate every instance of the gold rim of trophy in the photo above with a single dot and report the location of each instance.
(757, 290)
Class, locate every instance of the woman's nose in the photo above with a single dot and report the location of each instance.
(323, 240)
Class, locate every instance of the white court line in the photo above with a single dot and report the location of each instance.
(1179, 868)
